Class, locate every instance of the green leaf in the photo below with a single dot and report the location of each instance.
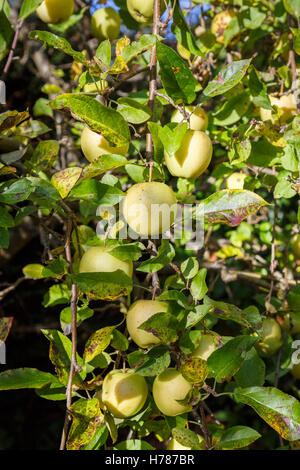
(196, 315)
(17, 192)
(16, 379)
(229, 206)
(224, 363)
(102, 165)
(44, 156)
(4, 238)
(228, 78)
(252, 372)
(237, 437)
(103, 52)
(130, 251)
(60, 354)
(293, 7)
(183, 33)
(258, 90)
(165, 255)
(92, 191)
(175, 295)
(5, 326)
(283, 189)
(87, 417)
(231, 312)
(279, 410)
(186, 437)
(189, 267)
(107, 285)
(98, 342)
(154, 128)
(198, 285)
(145, 42)
(28, 7)
(98, 117)
(6, 32)
(57, 294)
(172, 135)
(194, 370)
(65, 180)
(6, 220)
(176, 77)
(119, 341)
(232, 110)
(99, 439)
(134, 444)
(154, 362)
(164, 325)
(133, 111)
(58, 42)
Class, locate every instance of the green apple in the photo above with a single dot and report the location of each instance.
(207, 345)
(287, 105)
(183, 52)
(124, 393)
(220, 23)
(236, 181)
(175, 445)
(295, 371)
(296, 246)
(198, 120)
(193, 156)
(168, 387)
(55, 11)
(94, 145)
(149, 208)
(99, 259)
(270, 341)
(138, 313)
(142, 10)
(105, 24)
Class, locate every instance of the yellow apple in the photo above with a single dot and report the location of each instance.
(287, 105)
(138, 313)
(149, 208)
(198, 120)
(55, 11)
(99, 259)
(193, 156)
(124, 393)
(295, 371)
(183, 52)
(175, 445)
(270, 341)
(296, 246)
(220, 23)
(207, 345)
(236, 181)
(142, 10)
(105, 24)
(94, 145)
(168, 387)
(95, 87)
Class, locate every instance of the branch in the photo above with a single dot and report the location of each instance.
(73, 365)
(12, 49)
(153, 75)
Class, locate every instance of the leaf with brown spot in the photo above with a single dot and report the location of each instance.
(65, 180)
(5, 326)
(194, 370)
(98, 342)
(87, 417)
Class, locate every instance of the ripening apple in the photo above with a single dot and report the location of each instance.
(55, 11)
(138, 313)
(198, 120)
(99, 259)
(124, 393)
(168, 387)
(287, 105)
(94, 145)
(149, 208)
(183, 51)
(220, 23)
(207, 345)
(175, 445)
(193, 156)
(105, 24)
(142, 10)
(236, 181)
(295, 371)
(270, 341)
(296, 246)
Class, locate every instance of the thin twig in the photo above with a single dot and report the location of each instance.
(73, 306)
(12, 49)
